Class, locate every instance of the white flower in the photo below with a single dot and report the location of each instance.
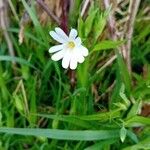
(71, 50)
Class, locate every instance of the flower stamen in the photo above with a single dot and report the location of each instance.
(71, 45)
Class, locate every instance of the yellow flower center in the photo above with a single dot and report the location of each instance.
(71, 45)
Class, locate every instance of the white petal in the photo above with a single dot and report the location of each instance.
(57, 37)
(61, 33)
(84, 50)
(80, 59)
(57, 56)
(73, 62)
(73, 34)
(79, 56)
(66, 59)
(78, 41)
(55, 48)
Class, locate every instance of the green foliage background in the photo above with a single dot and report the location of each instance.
(38, 109)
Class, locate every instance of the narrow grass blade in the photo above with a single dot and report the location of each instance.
(28, 35)
(143, 145)
(100, 145)
(71, 119)
(105, 45)
(137, 121)
(87, 135)
(16, 59)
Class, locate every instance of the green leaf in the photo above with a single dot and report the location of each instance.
(137, 121)
(70, 119)
(135, 109)
(124, 74)
(95, 117)
(124, 97)
(87, 135)
(105, 45)
(100, 145)
(89, 22)
(80, 27)
(132, 136)
(120, 105)
(102, 116)
(18, 103)
(100, 23)
(143, 145)
(143, 34)
(123, 133)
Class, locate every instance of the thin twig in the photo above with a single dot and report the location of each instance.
(47, 10)
(133, 9)
(109, 89)
(111, 21)
(25, 19)
(85, 5)
(4, 25)
(64, 16)
(107, 64)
